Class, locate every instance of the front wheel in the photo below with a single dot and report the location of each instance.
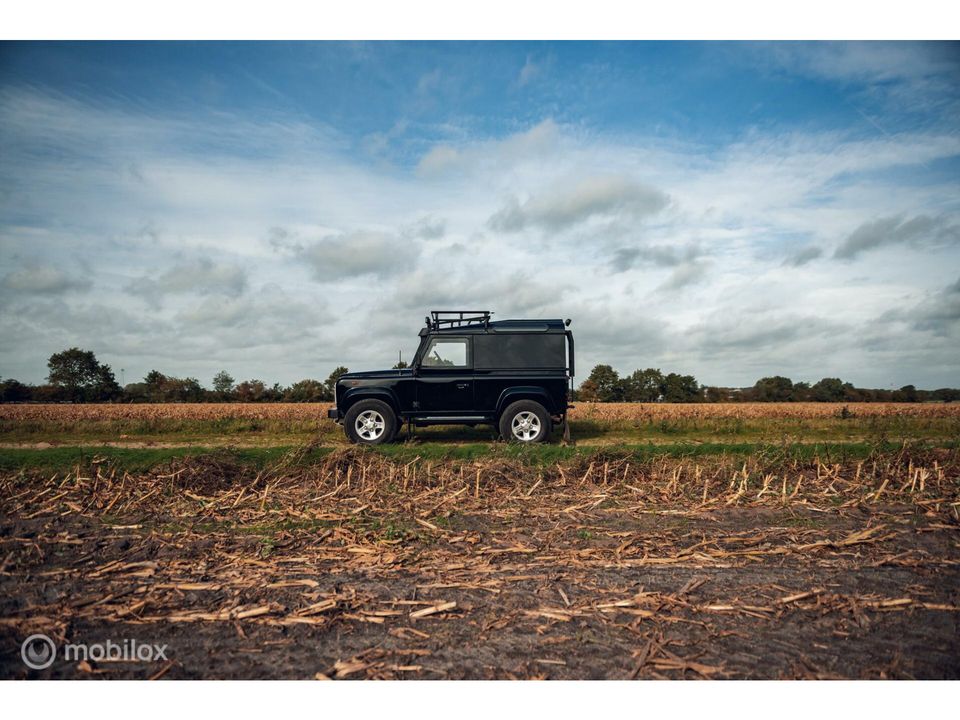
(525, 421)
(370, 422)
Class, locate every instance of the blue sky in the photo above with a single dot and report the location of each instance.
(699, 92)
(727, 209)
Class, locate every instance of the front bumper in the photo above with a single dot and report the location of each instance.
(333, 414)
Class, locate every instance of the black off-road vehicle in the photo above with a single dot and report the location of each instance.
(468, 370)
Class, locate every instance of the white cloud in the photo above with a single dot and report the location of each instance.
(429, 82)
(579, 199)
(426, 228)
(439, 160)
(200, 276)
(664, 254)
(359, 253)
(443, 160)
(688, 273)
(866, 61)
(938, 313)
(897, 231)
(44, 280)
(804, 255)
(528, 72)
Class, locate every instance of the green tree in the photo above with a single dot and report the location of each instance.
(223, 384)
(251, 391)
(908, 393)
(400, 365)
(274, 393)
(136, 392)
(156, 383)
(307, 391)
(78, 374)
(680, 388)
(105, 386)
(643, 386)
(828, 390)
(607, 382)
(14, 391)
(773, 389)
(73, 370)
(714, 394)
(185, 389)
(801, 391)
(166, 388)
(587, 392)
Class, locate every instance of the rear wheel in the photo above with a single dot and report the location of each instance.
(370, 422)
(525, 421)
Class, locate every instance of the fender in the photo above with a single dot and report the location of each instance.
(524, 392)
(354, 395)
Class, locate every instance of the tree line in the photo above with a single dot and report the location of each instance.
(76, 375)
(651, 385)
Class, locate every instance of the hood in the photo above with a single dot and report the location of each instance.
(375, 374)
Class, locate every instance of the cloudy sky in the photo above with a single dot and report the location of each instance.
(730, 210)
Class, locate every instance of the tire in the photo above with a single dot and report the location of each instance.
(370, 422)
(525, 421)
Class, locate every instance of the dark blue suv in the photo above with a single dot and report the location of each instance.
(468, 370)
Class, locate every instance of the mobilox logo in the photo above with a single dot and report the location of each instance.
(39, 651)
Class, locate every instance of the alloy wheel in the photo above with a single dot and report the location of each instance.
(525, 426)
(369, 425)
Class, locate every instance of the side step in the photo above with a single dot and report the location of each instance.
(450, 419)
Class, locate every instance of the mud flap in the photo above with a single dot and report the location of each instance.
(566, 431)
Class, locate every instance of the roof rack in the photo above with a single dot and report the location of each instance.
(457, 318)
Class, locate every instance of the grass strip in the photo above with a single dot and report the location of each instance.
(65, 458)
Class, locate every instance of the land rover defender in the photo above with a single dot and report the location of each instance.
(468, 370)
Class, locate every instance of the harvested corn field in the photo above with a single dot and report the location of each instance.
(602, 565)
(596, 423)
(805, 410)
(70, 413)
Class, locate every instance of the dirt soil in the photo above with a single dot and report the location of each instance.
(360, 568)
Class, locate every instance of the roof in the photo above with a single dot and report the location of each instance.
(505, 326)
(478, 322)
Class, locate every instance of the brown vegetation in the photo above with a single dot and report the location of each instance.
(360, 566)
(68, 414)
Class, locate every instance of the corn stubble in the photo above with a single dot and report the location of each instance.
(599, 566)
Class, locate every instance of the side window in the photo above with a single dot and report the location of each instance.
(519, 351)
(446, 353)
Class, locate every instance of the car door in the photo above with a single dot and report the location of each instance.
(445, 377)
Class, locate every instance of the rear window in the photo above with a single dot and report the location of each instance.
(519, 351)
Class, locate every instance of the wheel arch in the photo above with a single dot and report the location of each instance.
(352, 397)
(524, 392)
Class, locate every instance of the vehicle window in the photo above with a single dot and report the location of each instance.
(443, 352)
(519, 351)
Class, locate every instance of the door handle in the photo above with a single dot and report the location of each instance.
(461, 386)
